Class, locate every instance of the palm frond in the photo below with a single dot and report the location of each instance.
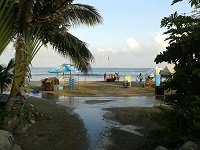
(69, 46)
(33, 41)
(6, 23)
(6, 75)
(77, 14)
(10, 65)
(75, 49)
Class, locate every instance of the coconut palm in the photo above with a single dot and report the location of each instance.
(6, 75)
(44, 22)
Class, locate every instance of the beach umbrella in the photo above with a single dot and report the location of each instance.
(64, 68)
(60, 69)
(72, 68)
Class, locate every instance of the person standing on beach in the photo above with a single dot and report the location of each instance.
(140, 77)
(115, 76)
(104, 76)
(118, 75)
(137, 78)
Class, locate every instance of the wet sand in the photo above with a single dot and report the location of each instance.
(137, 116)
(56, 129)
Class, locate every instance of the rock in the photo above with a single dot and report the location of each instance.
(49, 118)
(27, 125)
(189, 146)
(17, 147)
(36, 114)
(31, 105)
(160, 148)
(32, 121)
(6, 140)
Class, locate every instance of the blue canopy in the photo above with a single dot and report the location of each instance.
(63, 68)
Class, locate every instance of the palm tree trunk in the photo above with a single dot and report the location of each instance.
(20, 73)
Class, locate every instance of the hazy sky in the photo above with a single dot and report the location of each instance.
(130, 34)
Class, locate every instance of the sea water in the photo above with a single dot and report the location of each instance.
(96, 74)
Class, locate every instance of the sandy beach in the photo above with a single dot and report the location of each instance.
(100, 88)
(59, 128)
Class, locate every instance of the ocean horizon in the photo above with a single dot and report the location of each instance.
(96, 74)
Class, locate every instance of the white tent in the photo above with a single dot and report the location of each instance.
(168, 70)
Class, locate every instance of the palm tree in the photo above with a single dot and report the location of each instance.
(42, 22)
(6, 75)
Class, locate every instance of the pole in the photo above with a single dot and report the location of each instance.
(109, 63)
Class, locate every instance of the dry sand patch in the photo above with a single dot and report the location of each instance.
(100, 88)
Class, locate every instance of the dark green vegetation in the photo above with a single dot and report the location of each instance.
(6, 75)
(6, 78)
(181, 121)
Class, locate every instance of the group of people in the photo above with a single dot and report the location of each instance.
(116, 76)
(148, 80)
(113, 77)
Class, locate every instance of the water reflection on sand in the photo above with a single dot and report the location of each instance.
(90, 110)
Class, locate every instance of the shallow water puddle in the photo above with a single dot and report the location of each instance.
(90, 110)
(127, 128)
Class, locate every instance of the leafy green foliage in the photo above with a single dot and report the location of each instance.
(6, 75)
(192, 2)
(184, 52)
(167, 134)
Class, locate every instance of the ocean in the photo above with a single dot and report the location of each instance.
(97, 74)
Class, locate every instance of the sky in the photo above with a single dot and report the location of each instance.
(130, 35)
